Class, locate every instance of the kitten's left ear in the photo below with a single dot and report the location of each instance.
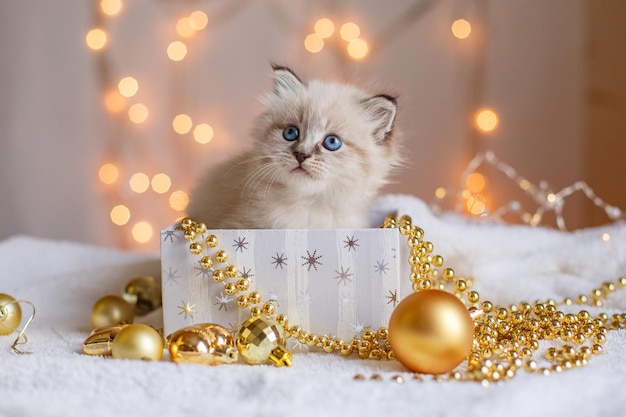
(285, 80)
(382, 110)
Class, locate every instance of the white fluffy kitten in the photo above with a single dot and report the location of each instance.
(321, 152)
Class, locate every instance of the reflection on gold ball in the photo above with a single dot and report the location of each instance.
(10, 314)
(111, 310)
(144, 293)
(257, 338)
(204, 343)
(138, 341)
(431, 332)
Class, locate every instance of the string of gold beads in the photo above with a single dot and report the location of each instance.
(506, 339)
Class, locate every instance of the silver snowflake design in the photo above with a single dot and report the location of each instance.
(298, 345)
(223, 301)
(350, 243)
(187, 309)
(279, 260)
(381, 267)
(170, 234)
(171, 277)
(305, 297)
(311, 260)
(273, 297)
(392, 297)
(205, 272)
(343, 276)
(240, 244)
(245, 273)
(358, 328)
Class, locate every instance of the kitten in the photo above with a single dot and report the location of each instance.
(321, 152)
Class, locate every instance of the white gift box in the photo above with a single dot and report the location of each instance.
(334, 282)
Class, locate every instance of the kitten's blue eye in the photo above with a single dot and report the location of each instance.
(332, 142)
(291, 133)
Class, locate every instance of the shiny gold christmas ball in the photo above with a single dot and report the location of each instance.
(205, 343)
(10, 314)
(144, 293)
(257, 338)
(111, 310)
(138, 341)
(431, 332)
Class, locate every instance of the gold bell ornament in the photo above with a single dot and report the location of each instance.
(144, 293)
(431, 332)
(203, 343)
(112, 310)
(262, 340)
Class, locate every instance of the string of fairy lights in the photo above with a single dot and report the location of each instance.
(347, 39)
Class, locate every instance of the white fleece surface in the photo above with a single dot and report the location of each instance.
(510, 264)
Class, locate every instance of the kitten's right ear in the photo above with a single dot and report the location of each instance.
(285, 80)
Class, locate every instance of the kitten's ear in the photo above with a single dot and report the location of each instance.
(285, 80)
(382, 110)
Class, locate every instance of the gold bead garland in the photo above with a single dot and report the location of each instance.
(506, 339)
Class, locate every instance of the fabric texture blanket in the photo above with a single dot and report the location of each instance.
(509, 263)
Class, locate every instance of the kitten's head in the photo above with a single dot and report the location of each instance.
(319, 137)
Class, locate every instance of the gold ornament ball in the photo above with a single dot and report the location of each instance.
(431, 332)
(204, 343)
(111, 310)
(10, 314)
(257, 338)
(138, 341)
(144, 293)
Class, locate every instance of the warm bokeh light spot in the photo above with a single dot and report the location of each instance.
(179, 200)
(182, 124)
(606, 237)
(475, 206)
(138, 113)
(96, 39)
(486, 120)
(476, 182)
(161, 183)
(440, 193)
(120, 215)
(113, 101)
(108, 173)
(524, 184)
(198, 20)
(183, 27)
(324, 27)
(203, 133)
(139, 182)
(111, 7)
(176, 51)
(313, 43)
(142, 232)
(349, 31)
(128, 86)
(358, 49)
(461, 28)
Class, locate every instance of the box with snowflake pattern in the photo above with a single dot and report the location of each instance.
(334, 282)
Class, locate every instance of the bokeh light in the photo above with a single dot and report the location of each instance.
(108, 173)
(179, 200)
(142, 232)
(114, 101)
(161, 183)
(120, 215)
(138, 113)
(182, 124)
(324, 27)
(176, 51)
(139, 182)
(349, 31)
(128, 86)
(358, 49)
(313, 43)
(96, 39)
(183, 27)
(198, 20)
(475, 182)
(203, 133)
(111, 7)
(486, 120)
(461, 28)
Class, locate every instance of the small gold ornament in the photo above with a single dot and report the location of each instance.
(204, 343)
(138, 341)
(261, 340)
(144, 293)
(431, 332)
(10, 314)
(100, 341)
(111, 310)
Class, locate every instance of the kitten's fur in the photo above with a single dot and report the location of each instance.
(268, 188)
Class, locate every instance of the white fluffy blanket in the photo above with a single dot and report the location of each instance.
(510, 264)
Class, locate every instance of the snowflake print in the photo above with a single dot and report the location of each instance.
(223, 301)
(311, 261)
(279, 260)
(187, 309)
(205, 272)
(170, 234)
(392, 297)
(171, 277)
(381, 267)
(305, 297)
(350, 243)
(240, 244)
(343, 276)
(245, 273)
(358, 328)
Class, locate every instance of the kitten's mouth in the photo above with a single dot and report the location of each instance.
(301, 171)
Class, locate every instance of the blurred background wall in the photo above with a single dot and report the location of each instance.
(92, 150)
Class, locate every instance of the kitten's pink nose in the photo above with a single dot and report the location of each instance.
(300, 157)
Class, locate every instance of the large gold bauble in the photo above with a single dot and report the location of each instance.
(10, 314)
(138, 341)
(431, 332)
(257, 338)
(144, 293)
(111, 310)
(203, 343)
